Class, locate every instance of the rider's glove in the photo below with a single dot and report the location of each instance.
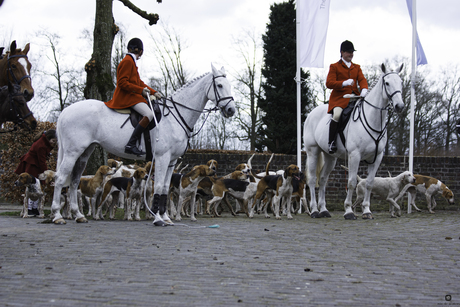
(145, 92)
(348, 82)
(157, 95)
(364, 92)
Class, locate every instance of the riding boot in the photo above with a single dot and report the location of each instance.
(332, 136)
(131, 147)
(156, 210)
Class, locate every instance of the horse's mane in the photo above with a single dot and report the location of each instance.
(374, 83)
(188, 84)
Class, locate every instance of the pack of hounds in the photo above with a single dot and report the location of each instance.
(199, 191)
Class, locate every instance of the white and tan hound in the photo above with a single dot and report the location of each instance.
(430, 187)
(91, 186)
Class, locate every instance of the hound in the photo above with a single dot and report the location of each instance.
(188, 188)
(91, 187)
(237, 186)
(298, 193)
(131, 188)
(280, 186)
(428, 186)
(386, 188)
(33, 192)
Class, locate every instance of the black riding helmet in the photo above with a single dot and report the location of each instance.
(135, 45)
(347, 46)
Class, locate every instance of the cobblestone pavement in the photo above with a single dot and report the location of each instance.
(409, 261)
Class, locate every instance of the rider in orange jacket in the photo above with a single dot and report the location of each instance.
(131, 92)
(343, 78)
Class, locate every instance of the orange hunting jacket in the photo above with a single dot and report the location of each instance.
(339, 72)
(129, 86)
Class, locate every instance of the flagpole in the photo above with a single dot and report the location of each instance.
(298, 81)
(412, 98)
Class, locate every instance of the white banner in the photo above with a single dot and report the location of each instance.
(313, 23)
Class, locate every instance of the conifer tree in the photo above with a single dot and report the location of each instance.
(278, 132)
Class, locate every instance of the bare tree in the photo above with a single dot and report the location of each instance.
(168, 48)
(61, 85)
(249, 49)
(449, 91)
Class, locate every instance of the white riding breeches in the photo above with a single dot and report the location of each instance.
(143, 109)
(336, 112)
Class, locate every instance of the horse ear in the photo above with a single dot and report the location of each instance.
(214, 70)
(13, 47)
(222, 70)
(400, 68)
(383, 68)
(26, 48)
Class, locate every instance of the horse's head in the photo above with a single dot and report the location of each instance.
(220, 92)
(18, 69)
(14, 107)
(392, 85)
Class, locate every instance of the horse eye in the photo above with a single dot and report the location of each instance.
(14, 66)
(387, 84)
(219, 85)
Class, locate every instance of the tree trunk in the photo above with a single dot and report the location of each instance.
(99, 84)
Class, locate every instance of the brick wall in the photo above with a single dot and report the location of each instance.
(445, 169)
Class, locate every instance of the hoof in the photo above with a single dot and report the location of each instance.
(60, 221)
(314, 215)
(368, 216)
(159, 223)
(324, 214)
(81, 220)
(350, 216)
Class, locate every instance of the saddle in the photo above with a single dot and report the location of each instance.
(134, 117)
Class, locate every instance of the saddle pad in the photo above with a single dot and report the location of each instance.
(123, 111)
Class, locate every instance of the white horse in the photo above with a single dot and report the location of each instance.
(86, 123)
(365, 136)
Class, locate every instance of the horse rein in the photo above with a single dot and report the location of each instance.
(389, 107)
(10, 70)
(182, 121)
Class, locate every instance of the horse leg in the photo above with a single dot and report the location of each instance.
(371, 170)
(329, 164)
(163, 173)
(311, 165)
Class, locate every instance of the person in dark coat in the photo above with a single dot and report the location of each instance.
(34, 161)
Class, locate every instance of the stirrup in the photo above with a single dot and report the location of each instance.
(332, 148)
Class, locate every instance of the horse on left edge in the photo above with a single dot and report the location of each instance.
(15, 68)
(13, 108)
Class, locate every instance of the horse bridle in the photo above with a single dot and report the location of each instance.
(10, 69)
(216, 92)
(13, 107)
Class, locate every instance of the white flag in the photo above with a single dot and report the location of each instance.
(421, 58)
(313, 22)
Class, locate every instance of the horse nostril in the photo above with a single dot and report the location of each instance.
(230, 111)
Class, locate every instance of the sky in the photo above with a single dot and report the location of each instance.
(379, 29)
